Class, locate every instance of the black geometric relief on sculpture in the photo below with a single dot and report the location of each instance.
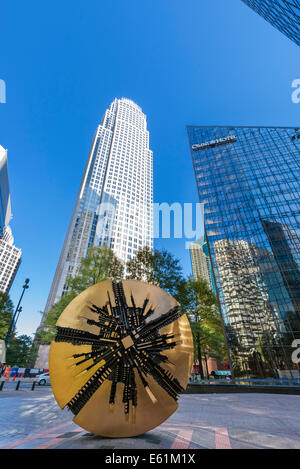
(126, 344)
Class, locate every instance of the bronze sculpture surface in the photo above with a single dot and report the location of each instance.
(121, 356)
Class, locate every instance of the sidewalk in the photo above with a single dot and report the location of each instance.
(174, 436)
(237, 421)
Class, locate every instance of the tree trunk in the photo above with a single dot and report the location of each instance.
(199, 356)
(205, 358)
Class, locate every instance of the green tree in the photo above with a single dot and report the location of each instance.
(142, 266)
(159, 268)
(206, 323)
(48, 331)
(20, 351)
(6, 313)
(100, 264)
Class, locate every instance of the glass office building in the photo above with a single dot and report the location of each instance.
(282, 14)
(248, 180)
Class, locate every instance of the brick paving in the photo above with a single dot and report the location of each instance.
(218, 421)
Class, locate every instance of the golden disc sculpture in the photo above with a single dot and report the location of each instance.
(121, 356)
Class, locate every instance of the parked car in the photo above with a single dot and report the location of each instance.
(43, 379)
(33, 372)
(221, 374)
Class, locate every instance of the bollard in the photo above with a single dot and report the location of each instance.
(33, 386)
(1, 385)
(18, 385)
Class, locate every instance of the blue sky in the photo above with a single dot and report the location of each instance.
(193, 62)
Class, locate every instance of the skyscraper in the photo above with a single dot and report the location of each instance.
(5, 205)
(282, 14)
(10, 259)
(201, 265)
(248, 180)
(10, 256)
(114, 203)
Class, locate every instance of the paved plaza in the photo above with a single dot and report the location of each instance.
(32, 419)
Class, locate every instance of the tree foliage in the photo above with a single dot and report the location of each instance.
(100, 264)
(206, 323)
(6, 313)
(48, 331)
(157, 268)
(21, 351)
(141, 267)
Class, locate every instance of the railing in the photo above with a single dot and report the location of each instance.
(17, 383)
(247, 382)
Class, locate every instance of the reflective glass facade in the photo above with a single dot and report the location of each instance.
(248, 180)
(283, 14)
(201, 265)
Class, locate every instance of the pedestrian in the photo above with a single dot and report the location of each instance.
(14, 371)
(2, 370)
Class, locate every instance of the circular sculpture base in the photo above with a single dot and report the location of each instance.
(121, 356)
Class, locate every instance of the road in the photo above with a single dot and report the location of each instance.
(32, 419)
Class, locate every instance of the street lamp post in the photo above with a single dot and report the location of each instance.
(16, 314)
(19, 311)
